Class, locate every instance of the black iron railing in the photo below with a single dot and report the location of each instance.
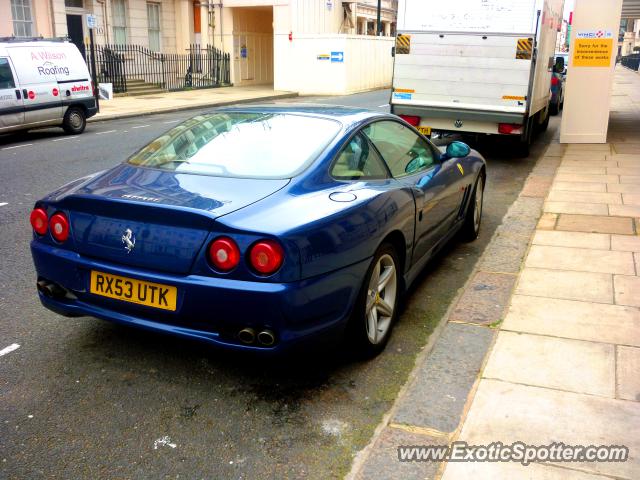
(631, 61)
(201, 67)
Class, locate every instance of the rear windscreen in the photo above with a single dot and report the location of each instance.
(240, 144)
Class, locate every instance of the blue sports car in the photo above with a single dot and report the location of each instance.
(259, 228)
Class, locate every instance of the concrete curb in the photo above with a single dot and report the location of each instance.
(198, 106)
(514, 234)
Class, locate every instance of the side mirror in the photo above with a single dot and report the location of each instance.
(458, 150)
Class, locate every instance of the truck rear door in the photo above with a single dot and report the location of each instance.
(11, 103)
(464, 65)
(470, 71)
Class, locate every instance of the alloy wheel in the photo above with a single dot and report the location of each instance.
(477, 208)
(381, 299)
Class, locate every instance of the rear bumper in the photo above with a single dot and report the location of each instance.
(89, 104)
(458, 113)
(209, 309)
(459, 120)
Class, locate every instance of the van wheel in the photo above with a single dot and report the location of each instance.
(74, 121)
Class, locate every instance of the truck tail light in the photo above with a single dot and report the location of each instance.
(39, 221)
(509, 128)
(224, 254)
(59, 226)
(412, 120)
(266, 256)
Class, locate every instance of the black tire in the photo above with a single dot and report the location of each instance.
(524, 145)
(542, 127)
(471, 226)
(359, 334)
(554, 109)
(75, 121)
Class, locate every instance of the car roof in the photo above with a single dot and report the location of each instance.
(344, 114)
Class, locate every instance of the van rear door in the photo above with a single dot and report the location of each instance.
(37, 66)
(11, 103)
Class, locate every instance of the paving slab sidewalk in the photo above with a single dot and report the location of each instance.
(564, 364)
(123, 107)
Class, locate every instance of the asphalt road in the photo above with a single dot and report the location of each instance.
(82, 398)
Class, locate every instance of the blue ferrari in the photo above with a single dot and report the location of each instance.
(259, 228)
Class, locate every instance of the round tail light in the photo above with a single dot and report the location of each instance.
(39, 220)
(59, 226)
(266, 257)
(224, 254)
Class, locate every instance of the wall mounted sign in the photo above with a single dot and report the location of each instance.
(593, 48)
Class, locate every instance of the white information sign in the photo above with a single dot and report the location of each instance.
(504, 16)
(91, 21)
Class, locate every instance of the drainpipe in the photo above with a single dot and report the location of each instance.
(105, 20)
(221, 36)
(197, 22)
(52, 19)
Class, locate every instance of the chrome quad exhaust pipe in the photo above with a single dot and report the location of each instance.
(266, 338)
(247, 335)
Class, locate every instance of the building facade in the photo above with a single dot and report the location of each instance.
(310, 46)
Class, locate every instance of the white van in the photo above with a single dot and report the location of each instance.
(44, 83)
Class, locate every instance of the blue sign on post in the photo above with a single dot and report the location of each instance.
(337, 57)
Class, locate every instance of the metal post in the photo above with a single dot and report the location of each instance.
(94, 76)
(379, 24)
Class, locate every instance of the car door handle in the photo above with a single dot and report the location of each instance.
(24, 93)
(18, 95)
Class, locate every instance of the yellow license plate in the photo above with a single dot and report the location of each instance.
(424, 130)
(134, 291)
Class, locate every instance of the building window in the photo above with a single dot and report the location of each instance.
(119, 21)
(153, 20)
(74, 3)
(22, 21)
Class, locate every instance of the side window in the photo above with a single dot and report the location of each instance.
(358, 161)
(404, 151)
(6, 78)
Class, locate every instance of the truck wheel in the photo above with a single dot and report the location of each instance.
(542, 127)
(524, 144)
(74, 121)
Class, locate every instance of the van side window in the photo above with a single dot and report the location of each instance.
(6, 77)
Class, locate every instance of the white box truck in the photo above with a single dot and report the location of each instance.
(475, 66)
(44, 83)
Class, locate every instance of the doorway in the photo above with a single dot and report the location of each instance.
(76, 32)
(253, 45)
